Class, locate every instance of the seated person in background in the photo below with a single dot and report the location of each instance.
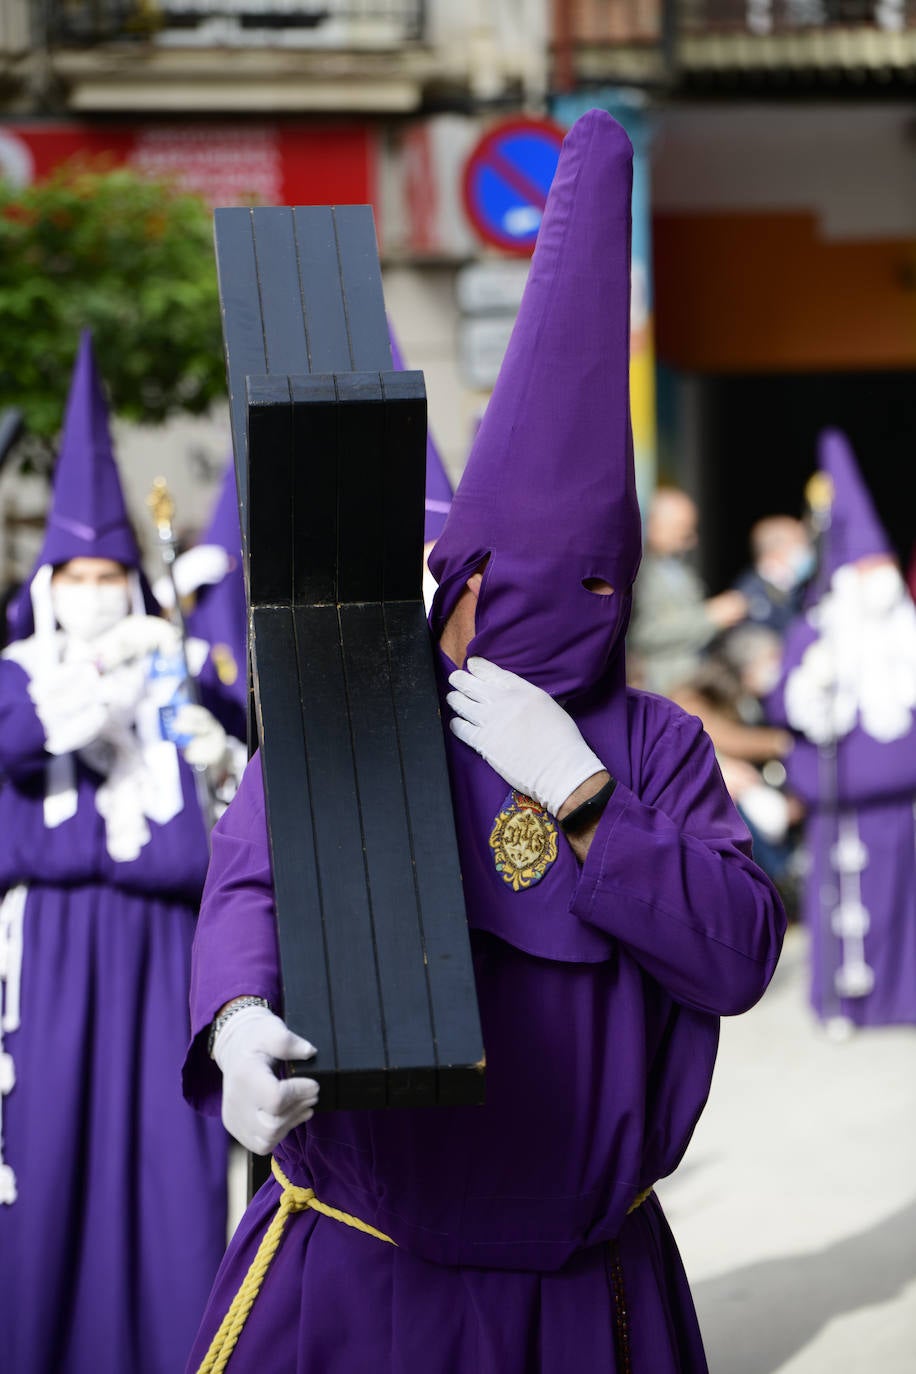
(726, 692)
(673, 619)
(782, 561)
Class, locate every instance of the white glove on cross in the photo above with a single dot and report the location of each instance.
(521, 732)
(259, 1108)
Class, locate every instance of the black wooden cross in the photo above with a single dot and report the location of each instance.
(330, 461)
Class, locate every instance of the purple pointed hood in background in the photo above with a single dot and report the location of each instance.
(220, 614)
(438, 487)
(224, 528)
(88, 515)
(855, 530)
(548, 497)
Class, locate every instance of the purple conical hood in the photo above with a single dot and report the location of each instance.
(855, 530)
(224, 528)
(549, 491)
(438, 487)
(549, 498)
(88, 516)
(220, 614)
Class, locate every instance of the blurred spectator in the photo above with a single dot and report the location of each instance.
(848, 691)
(724, 692)
(782, 561)
(673, 619)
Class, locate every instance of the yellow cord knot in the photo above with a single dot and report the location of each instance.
(292, 1199)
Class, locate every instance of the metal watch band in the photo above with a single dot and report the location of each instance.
(239, 1004)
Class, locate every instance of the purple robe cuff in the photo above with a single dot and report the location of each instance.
(671, 877)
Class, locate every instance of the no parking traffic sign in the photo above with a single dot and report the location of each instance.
(506, 180)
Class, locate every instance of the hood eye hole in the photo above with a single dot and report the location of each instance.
(597, 586)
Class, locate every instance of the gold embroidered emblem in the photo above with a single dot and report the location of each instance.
(523, 840)
(227, 670)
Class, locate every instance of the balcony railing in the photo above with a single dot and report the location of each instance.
(661, 42)
(334, 24)
(765, 17)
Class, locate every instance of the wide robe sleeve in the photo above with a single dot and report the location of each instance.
(670, 875)
(22, 736)
(235, 945)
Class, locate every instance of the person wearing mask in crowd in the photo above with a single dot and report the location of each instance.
(673, 619)
(520, 1236)
(848, 693)
(112, 1192)
(782, 561)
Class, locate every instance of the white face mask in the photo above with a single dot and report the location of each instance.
(86, 611)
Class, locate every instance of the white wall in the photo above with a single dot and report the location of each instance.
(854, 165)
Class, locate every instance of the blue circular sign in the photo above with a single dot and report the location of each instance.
(506, 180)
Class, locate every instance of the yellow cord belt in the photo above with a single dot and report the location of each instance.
(292, 1199)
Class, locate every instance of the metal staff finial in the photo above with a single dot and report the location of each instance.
(819, 493)
(162, 505)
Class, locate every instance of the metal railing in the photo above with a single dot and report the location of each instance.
(765, 17)
(658, 42)
(324, 23)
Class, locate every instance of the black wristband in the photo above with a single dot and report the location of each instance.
(589, 811)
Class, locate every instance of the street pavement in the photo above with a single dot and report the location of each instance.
(795, 1206)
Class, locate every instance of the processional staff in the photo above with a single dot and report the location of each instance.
(162, 508)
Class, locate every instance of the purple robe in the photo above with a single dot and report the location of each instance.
(873, 788)
(514, 1241)
(108, 1253)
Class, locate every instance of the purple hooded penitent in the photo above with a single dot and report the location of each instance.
(88, 516)
(438, 487)
(848, 691)
(522, 1247)
(112, 1194)
(220, 614)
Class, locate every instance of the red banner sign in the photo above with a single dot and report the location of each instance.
(229, 164)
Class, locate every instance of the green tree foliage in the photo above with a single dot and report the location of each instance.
(131, 259)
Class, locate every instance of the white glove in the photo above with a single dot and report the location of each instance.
(767, 810)
(68, 699)
(202, 566)
(134, 637)
(259, 1108)
(208, 746)
(521, 732)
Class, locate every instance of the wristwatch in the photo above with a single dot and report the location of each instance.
(589, 811)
